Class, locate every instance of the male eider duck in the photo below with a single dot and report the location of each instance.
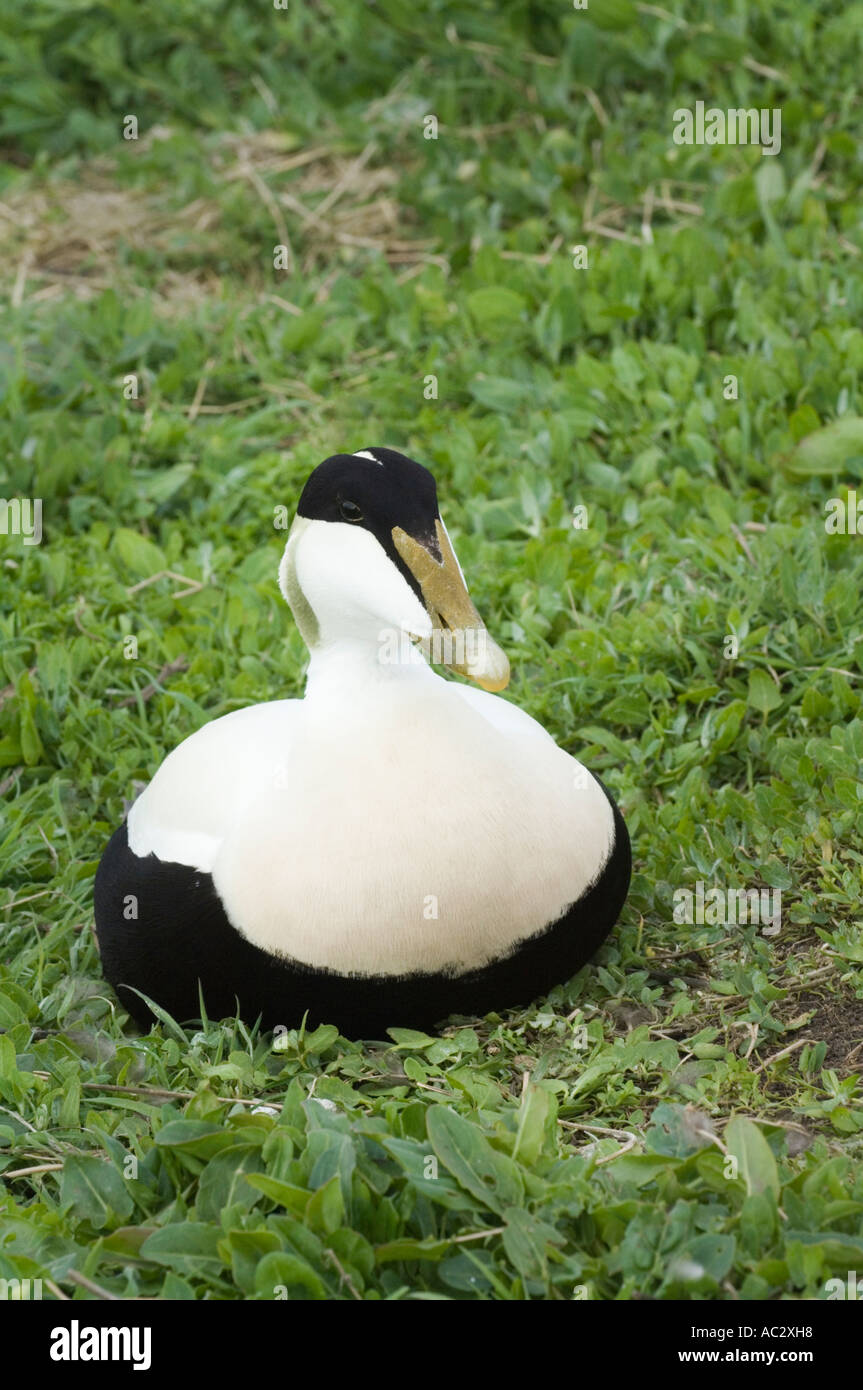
(391, 849)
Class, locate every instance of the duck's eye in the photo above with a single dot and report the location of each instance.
(350, 511)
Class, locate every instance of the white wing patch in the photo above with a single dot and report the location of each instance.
(207, 783)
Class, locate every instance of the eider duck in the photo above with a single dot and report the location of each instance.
(391, 849)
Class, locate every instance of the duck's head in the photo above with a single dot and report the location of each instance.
(369, 556)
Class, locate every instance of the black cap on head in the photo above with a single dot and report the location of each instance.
(376, 489)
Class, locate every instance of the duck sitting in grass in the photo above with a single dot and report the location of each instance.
(391, 849)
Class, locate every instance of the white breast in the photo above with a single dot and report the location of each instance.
(416, 826)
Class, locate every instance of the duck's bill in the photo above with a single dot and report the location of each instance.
(460, 638)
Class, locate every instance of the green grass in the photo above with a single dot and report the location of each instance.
(578, 1148)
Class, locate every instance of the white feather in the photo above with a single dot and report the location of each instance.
(391, 821)
(336, 827)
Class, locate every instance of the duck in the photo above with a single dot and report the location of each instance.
(392, 849)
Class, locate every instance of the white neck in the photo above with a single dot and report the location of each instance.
(352, 665)
(355, 610)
